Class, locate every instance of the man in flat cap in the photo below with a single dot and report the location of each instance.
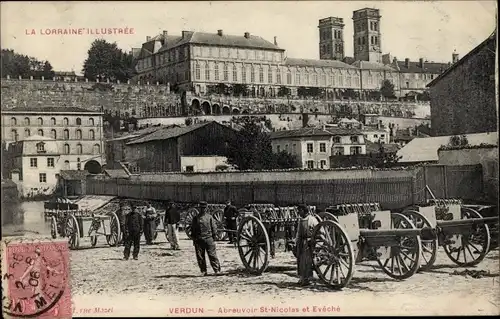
(230, 214)
(305, 228)
(204, 230)
(172, 218)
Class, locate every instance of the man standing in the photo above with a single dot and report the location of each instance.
(172, 218)
(230, 214)
(204, 231)
(132, 233)
(149, 224)
(303, 244)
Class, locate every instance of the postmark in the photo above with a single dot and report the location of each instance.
(35, 279)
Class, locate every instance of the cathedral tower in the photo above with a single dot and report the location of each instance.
(367, 36)
(331, 38)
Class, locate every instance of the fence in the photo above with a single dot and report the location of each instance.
(390, 192)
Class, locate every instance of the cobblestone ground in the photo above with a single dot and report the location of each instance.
(166, 282)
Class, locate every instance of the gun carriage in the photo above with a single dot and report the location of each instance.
(159, 220)
(216, 210)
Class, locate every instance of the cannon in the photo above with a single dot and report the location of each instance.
(216, 210)
(460, 229)
(352, 233)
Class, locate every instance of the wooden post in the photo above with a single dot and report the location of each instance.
(445, 178)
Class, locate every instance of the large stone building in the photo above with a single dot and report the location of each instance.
(463, 98)
(76, 133)
(197, 61)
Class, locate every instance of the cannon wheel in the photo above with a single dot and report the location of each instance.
(253, 245)
(331, 247)
(218, 215)
(53, 227)
(328, 216)
(72, 232)
(191, 213)
(408, 250)
(114, 224)
(478, 237)
(429, 246)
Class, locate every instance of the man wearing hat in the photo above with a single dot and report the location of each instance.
(149, 224)
(230, 214)
(132, 233)
(305, 228)
(203, 231)
(172, 218)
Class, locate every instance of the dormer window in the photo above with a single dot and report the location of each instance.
(40, 147)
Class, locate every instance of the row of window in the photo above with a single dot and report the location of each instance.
(53, 121)
(361, 26)
(327, 34)
(53, 134)
(40, 148)
(322, 146)
(373, 38)
(34, 162)
(322, 164)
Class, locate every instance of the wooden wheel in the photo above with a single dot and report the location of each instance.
(191, 213)
(474, 244)
(328, 216)
(253, 245)
(115, 232)
(218, 215)
(332, 254)
(404, 258)
(429, 246)
(53, 227)
(72, 231)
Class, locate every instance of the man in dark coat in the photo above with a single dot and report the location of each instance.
(172, 218)
(150, 224)
(204, 232)
(133, 231)
(230, 214)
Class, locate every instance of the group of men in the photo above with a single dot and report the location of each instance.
(204, 233)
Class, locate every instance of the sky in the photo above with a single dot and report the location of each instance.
(410, 29)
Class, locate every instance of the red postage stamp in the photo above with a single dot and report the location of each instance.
(35, 279)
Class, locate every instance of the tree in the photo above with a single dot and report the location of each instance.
(284, 91)
(15, 65)
(385, 159)
(302, 91)
(387, 89)
(240, 89)
(105, 61)
(285, 160)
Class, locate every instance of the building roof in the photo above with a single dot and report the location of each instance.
(425, 149)
(414, 67)
(50, 109)
(375, 147)
(365, 65)
(214, 39)
(165, 133)
(116, 173)
(73, 175)
(488, 41)
(314, 131)
(317, 63)
(138, 133)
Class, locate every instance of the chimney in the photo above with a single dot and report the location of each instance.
(407, 63)
(275, 40)
(455, 57)
(219, 32)
(148, 38)
(165, 34)
(247, 35)
(421, 63)
(185, 33)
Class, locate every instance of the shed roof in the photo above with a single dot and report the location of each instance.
(116, 173)
(73, 175)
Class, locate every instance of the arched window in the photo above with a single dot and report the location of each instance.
(40, 132)
(66, 164)
(52, 121)
(252, 74)
(78, 134)
(78, 121)
(79, 148)
(207, 72)
(216, 71)
(270, 76)
(13, 121)
(40, 121)
(261, 75)
(91, 122)
(226, 73)
(235, 74)
(65, 121)
(14, 135)
(97, 149)
(66, 148)
(198, 72)
(92, 135)
(26, 121)
(27, 132)
(244, 74)
(53, 134)
(66, 134)
(278, 76)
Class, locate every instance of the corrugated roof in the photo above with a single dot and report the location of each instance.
(365, 65)
(166, 133)
(317, 63)
(314, 131)
(116, 173)
(138, 133)
(50, 109)
(425, 149)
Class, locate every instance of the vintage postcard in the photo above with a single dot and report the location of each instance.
(249, 158)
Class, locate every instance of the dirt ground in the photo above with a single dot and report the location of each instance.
(167, 283)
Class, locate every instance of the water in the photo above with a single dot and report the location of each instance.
(34, 222)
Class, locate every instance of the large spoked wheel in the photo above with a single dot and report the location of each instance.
(404, 258)
(218, 215)
(253, 245)
(429, 245)
(328, 216)
(475, 243)
(53, 227)
(115, 232)
(191, 214)
(72, 231)
(332, 254)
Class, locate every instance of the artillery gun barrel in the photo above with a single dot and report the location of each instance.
(392, 237)
(466, 222)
